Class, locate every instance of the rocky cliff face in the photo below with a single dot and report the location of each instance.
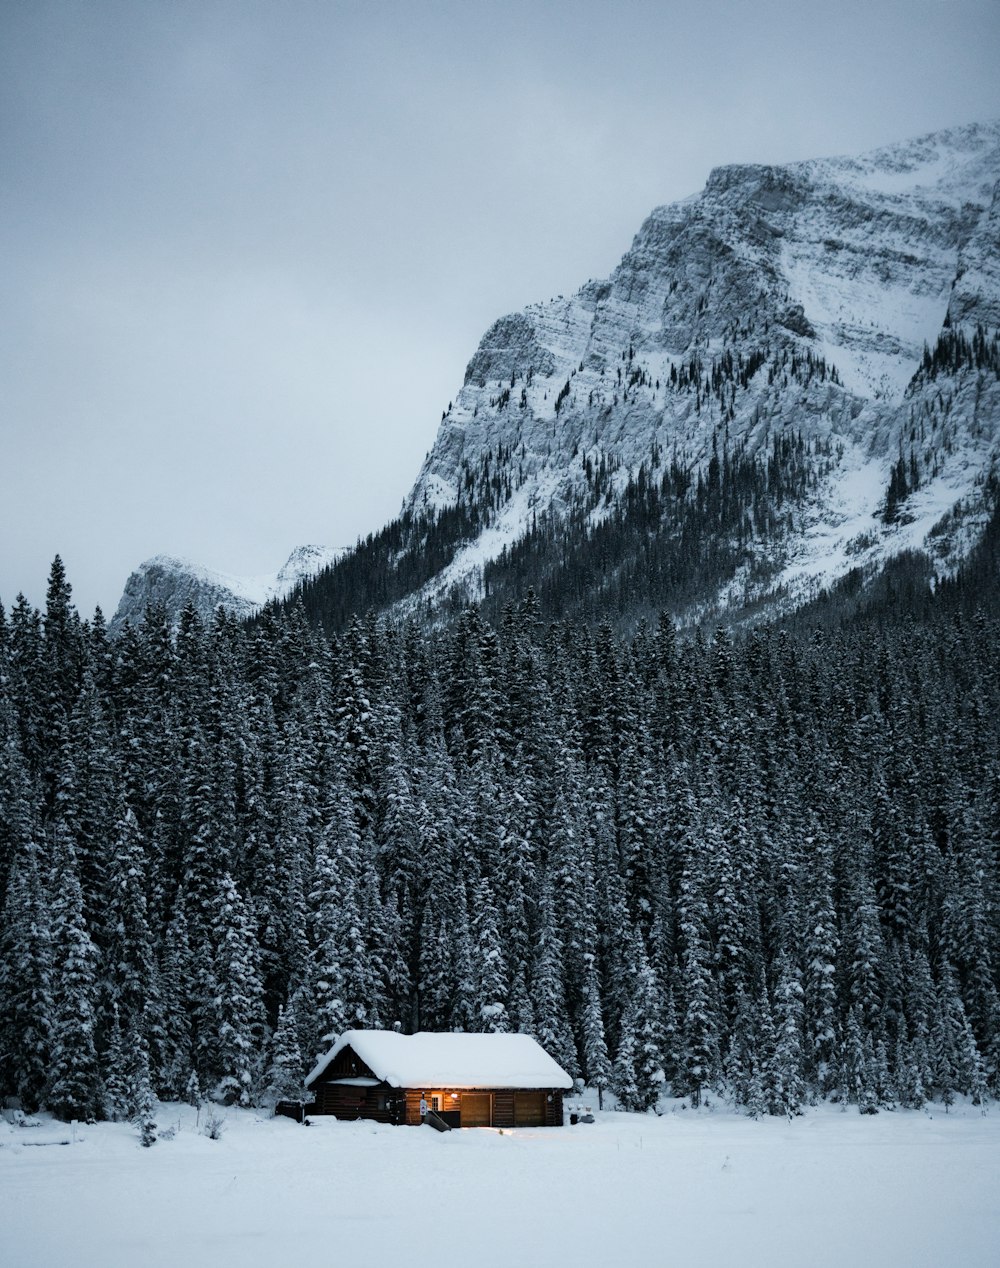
(174, 583)
(793, 375)
(781, 300)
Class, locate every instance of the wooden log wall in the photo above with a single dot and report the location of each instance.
(380, 1104)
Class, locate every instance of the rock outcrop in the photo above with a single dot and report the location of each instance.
(174, 583)
(854, 265)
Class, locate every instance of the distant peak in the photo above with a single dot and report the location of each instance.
(173, 582)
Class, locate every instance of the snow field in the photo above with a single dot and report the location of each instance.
(688, 1189)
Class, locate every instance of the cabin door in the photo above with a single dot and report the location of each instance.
(477, 1109)
(529, 1109)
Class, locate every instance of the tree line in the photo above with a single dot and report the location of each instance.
(765, 866)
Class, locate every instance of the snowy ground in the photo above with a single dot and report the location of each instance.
(686, 1189)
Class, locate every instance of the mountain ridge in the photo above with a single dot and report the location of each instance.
(860, 262)
(848, 306)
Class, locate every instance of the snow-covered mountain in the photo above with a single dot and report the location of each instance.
(791, 376)
(788, 300)
(174, 582)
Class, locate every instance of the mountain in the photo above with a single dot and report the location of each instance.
(791, 377)
(174, 583)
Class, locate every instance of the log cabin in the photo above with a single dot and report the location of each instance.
(468, 1080)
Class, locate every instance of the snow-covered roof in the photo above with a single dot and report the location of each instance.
(450, 1060)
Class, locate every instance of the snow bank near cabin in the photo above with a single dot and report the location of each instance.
(900, 1190)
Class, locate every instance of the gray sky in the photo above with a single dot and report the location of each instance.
(249, 247)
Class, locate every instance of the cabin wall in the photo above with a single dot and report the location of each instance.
(503, 1108)
(505, 1101)
(413, 1096)
(382, 1104)
(554, 1109)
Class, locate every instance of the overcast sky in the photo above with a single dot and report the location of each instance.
(248, 248)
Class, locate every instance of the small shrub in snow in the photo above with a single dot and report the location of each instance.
(147, 1131)
(214, 1125)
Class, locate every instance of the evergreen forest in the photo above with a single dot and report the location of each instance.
(760, 864)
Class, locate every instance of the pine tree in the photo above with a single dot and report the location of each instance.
(700, 1059)
(465, 1014)
(552, 1028)
(391, 942)
(594, 1050)
(909, 1074)
(765, 1093)
(345, 978)
(26, 1004)
(821, 946)
(285, 1074)
(143, 1100)
(789, 1086)
(116, 1101)
(738, 1063)
(239, 1003)
(624, 1080)
(174, 1053)
(74, 1077)
(649, 1073)
(519, 1006)
(858, 1073)
(18, 824)
(129, 960)
(434, 976)
(868, 957)
(492, 969)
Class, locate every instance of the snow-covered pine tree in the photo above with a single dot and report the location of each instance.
(174, 1054)
(858, 1074)
(519, 1006)
(821, 943)
(344, 976)
(286, 1071)
(74, 1077)
(129, 962)
(18, 815)
(434, 976)
(738, 1061)
(239, 1003)
(789, 1085)
(141, 1088)
(465, 1012)
(116, 1099)
(867, 956)
(490, 963)
(390, 941)
(624, 1079)
(26, 1004)
(594, 1050)
(649, 1073)
(700, 1058)
(552, 1027)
